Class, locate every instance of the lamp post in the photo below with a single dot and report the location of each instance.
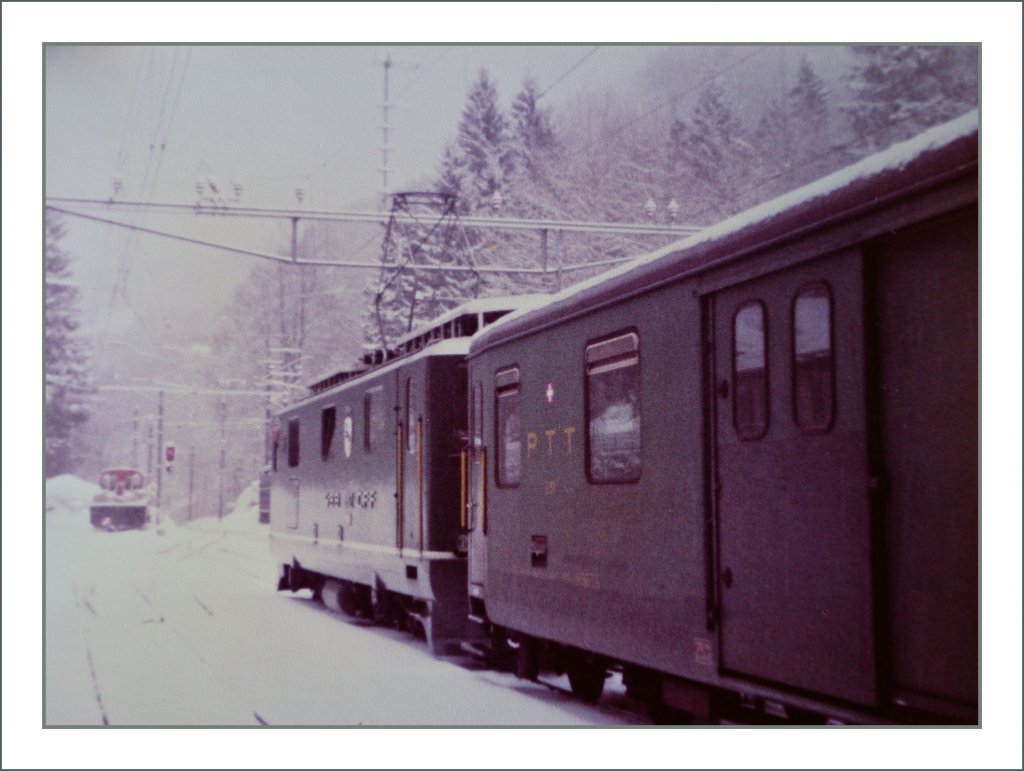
(650, 207)
(673, 210)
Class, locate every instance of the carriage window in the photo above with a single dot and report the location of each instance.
(509, 445)
(613, 409)
(373, 418)
(275, 440)
(750, 372)
(813, 362)
(293, 442)
(327, 419)
(410, 416)
(477, 416)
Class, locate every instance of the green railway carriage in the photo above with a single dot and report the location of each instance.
(744, 469)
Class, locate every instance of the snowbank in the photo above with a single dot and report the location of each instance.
(69, 495)
(249, 498)
(242, 516)
(245, 511)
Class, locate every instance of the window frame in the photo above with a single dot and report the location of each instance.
(766, 386)
(826, 427)
(615, 357)
(476, 416)
(506, 390)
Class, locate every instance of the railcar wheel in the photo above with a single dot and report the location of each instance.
(586, 677)
(347, 599)
(329, 595)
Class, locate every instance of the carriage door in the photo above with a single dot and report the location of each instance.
(411, 460)
(794, 569)
(476, 481)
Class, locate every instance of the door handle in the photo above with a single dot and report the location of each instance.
(727, 578)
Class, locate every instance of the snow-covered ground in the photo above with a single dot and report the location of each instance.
(182, 626)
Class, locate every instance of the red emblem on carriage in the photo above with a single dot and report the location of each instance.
(550, 393)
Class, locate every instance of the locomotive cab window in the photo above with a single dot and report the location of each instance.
(293, 442)
(813, 360)
(327, 420)
(750, 372)
(613, 409)
(509, 445)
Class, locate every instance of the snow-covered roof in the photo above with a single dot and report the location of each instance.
(432, 338)
(472, 308)
(886, 165)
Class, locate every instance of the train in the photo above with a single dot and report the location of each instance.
(123, 502)
(742, 470)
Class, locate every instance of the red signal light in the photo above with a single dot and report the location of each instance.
(169, 452)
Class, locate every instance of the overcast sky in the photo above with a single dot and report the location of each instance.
(26, 26)
(260, 123)
(279, 118)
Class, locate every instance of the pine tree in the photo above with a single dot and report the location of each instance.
(794, 141)
(809, 98)
(776, 140)
(483, 147)
(901, 90)
(67, 381)
(475, 166)
(711, 157)
(533, 137)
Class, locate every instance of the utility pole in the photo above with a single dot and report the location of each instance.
(558, 255)
(160, 444)
(135, 438)
(269, 406)
(223, 417)
(149, 442)
(558, 260)
(191, 478)
(384, 146)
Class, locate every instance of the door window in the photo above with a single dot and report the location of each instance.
(813, 361)
(750, 372)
